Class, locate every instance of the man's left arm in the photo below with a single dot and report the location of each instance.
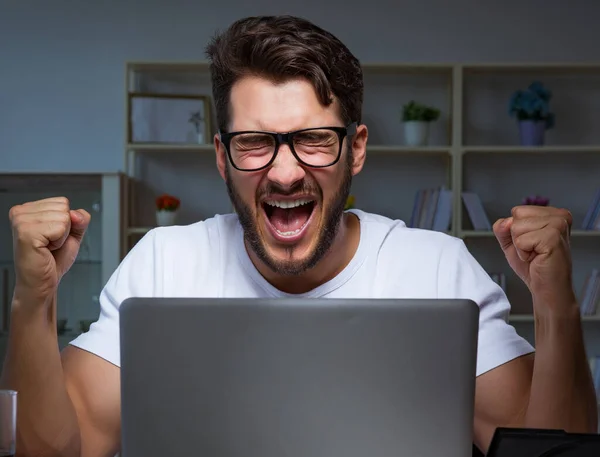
(553, 389)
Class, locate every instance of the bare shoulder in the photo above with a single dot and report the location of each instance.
(93, 385)
(501, 398)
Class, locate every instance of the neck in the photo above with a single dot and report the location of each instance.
(337, 258)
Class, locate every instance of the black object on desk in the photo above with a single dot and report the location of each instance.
(518, 442)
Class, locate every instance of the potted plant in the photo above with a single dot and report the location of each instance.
(197, 119)
(416, 118)
(531, 109)
(166, 210)
(536, 200)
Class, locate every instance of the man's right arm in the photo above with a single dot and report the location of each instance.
(68, 405)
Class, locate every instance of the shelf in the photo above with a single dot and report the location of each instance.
(170, 147)
(203, 66)
(381, 148)
(517, 67)
(375, 148)
(529, 318)
(475, 234)
(138, 230)
(401, 149)
(407, 68)
(168, 66)
(490, 234)
(592, 149)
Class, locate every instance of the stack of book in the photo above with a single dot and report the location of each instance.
(432, 209)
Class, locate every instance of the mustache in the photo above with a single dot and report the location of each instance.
(301, 187)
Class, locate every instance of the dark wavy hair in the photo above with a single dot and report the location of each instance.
(280, 48)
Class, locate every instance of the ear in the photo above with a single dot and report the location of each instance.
(221, 156)
(359, 148)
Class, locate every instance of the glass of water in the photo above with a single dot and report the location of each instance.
(8, 422)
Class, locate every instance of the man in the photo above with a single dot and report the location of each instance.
(290, 236)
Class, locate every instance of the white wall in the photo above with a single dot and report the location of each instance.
(61, 62)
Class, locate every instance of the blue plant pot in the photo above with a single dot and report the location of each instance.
(532, 133)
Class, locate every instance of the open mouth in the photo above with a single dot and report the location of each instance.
(289, 218)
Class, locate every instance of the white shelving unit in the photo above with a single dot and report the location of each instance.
(473, 147)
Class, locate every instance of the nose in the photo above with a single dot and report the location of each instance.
(285, 169)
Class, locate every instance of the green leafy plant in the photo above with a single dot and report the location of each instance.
(414, 111)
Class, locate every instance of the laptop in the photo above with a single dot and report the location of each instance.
(297, 377)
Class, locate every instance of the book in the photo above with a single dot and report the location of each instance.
(476, 211)
(432, 209)
(591, 220)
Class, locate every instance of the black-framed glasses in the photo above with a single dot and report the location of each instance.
(254, 150)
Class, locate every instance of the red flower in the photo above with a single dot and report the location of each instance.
(167, 202)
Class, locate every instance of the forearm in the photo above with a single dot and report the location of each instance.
(46, 419)
(562, 391)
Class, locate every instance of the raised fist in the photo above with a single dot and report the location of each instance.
(46, 239)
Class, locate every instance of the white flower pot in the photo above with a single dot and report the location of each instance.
(166, 218)
(416, 133)
(200, 138)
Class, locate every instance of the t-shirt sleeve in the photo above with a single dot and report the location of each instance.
(134, 277)
(461, 276)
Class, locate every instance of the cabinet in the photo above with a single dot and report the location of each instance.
(103, 196)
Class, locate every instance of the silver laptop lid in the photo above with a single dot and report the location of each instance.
(297, 378)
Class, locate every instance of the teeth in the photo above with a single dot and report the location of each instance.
(289, 203)
(295, 232)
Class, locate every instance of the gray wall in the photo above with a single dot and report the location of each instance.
(61, 62)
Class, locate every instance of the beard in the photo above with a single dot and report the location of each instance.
(332, 217)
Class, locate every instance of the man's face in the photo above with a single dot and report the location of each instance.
(290, 213)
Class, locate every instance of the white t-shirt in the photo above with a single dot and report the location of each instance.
(208, 259)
